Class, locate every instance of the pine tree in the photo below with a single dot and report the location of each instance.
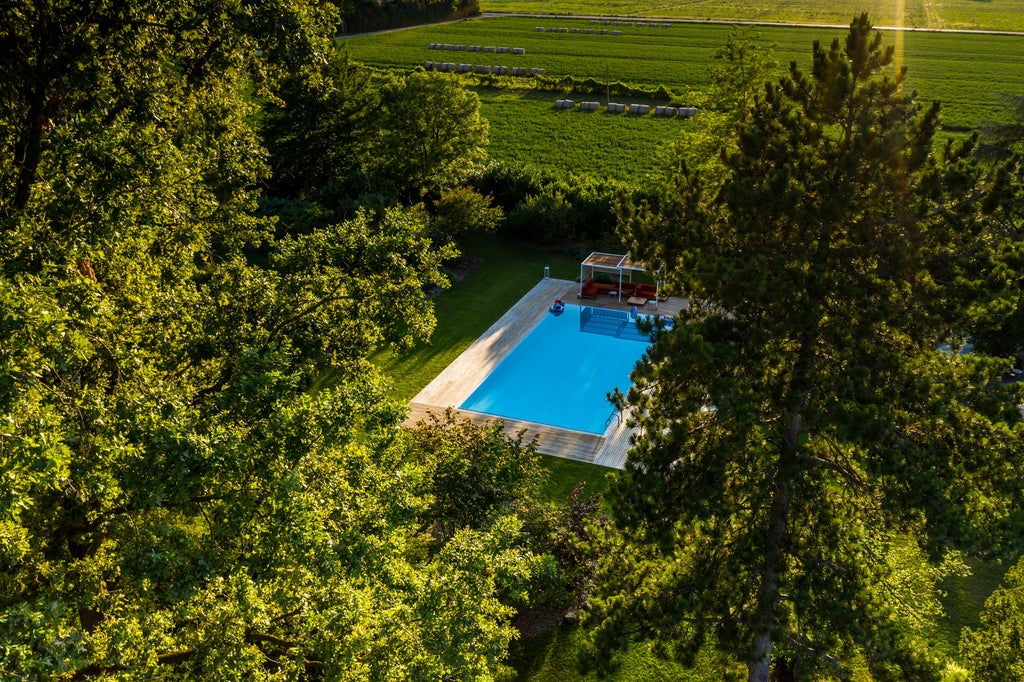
(800, 416)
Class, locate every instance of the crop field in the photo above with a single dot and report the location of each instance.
(968, 74)
(525, 128)
(1005, 15)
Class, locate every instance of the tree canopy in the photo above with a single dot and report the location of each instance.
(800, 417)
(182, 492)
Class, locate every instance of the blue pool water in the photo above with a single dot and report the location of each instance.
(561, 372)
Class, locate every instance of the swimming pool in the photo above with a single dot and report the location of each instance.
(561, 372)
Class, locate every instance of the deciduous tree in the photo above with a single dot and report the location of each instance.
(179, 495)
(431, 133)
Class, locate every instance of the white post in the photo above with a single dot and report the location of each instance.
(547, 272)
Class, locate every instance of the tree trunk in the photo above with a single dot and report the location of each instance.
(29, 150)
(759, 668)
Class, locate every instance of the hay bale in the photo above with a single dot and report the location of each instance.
(464, 68)
(616, 33)
(538, 29)
(518, 50)
(588, 31)
(488, 48)
(503, 50)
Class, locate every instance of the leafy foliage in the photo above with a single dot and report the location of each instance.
(431, 133)
(178, 495)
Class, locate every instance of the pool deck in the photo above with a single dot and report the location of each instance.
(453, 385)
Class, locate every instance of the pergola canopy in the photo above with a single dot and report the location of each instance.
(621, 264)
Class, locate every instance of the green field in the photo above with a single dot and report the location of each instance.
(969, 74)
(1007, 15)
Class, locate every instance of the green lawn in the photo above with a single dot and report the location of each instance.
(506, 272)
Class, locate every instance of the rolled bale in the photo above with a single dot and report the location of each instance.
(616, 33)
(538, 72)
(666, 25)
(588, 31)
(500, 70)
(480, 68)
(563, 30)
(551, 29)
(447, 66)
(429, 66)
(589, 106)
(448, 46)
(488, 48)
(670, 111)
(659, 111)
(460, 48)
(538, 29)
(432, 46)
(464, 68)
(503, 50)
(593, 21)
(518, 50)
(633, 108)
(574, 30)
(602, 32)
(643, 108)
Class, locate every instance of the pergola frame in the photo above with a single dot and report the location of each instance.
(616, 263)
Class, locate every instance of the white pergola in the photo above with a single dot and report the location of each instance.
(619, 264)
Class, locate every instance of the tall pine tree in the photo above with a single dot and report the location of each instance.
(800, 416)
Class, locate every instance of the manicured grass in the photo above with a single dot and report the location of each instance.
(961, 14)
(963, 600)
(465, 311)
(551, 657)
(566, 474)
(968, 74)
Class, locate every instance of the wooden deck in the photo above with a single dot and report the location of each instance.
(452, 386)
